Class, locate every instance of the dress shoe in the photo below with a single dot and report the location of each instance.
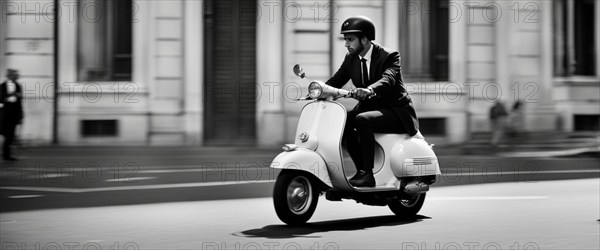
(356, 175)
(363, 179)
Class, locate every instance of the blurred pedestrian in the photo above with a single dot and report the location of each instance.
(11, 111)
(516, 120)
(498, 116)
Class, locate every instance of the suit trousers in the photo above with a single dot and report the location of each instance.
(360, 129)
(8, 131)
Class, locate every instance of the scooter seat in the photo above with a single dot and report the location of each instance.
(418, 135)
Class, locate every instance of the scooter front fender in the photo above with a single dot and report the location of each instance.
(303, 160)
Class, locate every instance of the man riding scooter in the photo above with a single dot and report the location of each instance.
(384, 104)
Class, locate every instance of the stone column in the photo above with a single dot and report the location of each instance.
(270, 115)
(194, 71)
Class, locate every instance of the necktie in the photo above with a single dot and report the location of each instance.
(364, 72)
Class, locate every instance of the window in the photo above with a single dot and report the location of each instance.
(105, 40)
(574, 38)
(99, 128)
(587, 122)
(433, 126)
(424, 39)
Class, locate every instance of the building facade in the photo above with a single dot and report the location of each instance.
(218, 73)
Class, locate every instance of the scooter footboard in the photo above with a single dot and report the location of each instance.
(303, 160)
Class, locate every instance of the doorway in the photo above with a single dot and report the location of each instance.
(230, 72)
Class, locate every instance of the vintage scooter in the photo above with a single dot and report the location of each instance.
(404, 166)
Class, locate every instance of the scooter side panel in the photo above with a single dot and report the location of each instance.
(304, 160)
(384, 176)
(414, 157)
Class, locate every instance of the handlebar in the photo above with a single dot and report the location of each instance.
(320, 90)
(342, 93)
(353, 95)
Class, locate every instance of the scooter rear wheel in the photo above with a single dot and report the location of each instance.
(295, 197)
(407, 207)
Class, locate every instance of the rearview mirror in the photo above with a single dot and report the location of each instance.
(299, 71)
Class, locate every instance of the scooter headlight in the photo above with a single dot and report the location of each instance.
(315, 90)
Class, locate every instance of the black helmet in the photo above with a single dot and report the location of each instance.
(359, 24)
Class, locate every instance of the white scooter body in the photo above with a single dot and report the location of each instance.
(321, 125)
(404, 166)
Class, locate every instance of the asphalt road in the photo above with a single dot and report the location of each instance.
(104, 177)
(511, 215)
(180, 198)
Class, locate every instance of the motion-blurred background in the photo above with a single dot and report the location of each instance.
(218, 73)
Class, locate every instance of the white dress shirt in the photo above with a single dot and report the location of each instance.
(11, 87)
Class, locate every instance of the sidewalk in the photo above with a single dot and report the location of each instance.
(536, 144)
(528, 145)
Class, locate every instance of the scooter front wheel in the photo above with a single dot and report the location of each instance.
(407, 207)
(295, 197)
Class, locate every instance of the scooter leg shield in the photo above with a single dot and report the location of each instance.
(303, 160)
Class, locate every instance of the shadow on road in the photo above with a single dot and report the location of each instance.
(285, 231)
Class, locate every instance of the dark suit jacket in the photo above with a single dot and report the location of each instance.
(385, 77)
(11, 113)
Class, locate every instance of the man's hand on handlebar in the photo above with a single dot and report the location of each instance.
(363, 93)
